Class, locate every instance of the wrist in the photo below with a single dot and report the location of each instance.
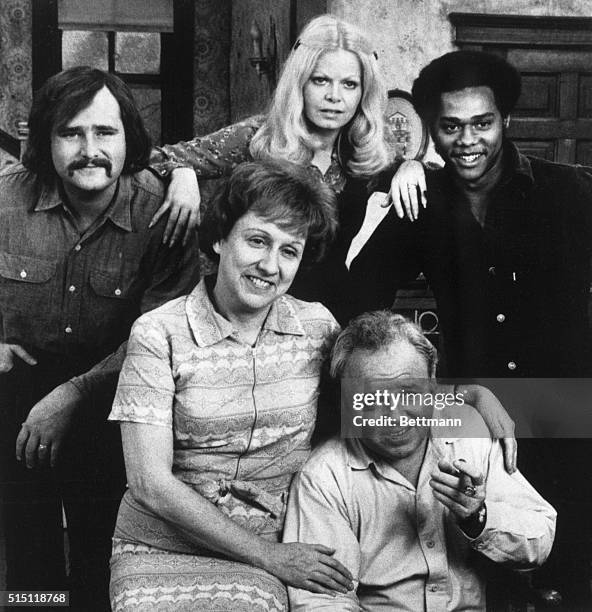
(474, 524)
(262, 555)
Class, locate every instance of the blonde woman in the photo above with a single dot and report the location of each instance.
(327, 115)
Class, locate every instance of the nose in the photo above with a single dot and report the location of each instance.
(467, 136)
(333, 93)
(269, 263)
(89, 146)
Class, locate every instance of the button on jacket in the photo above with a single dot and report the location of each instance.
(512, 295)
(75, 295)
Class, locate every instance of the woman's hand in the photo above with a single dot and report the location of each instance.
(182, 199)
(309, 566)
(408, 189)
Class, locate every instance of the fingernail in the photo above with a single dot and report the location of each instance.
(150, 224)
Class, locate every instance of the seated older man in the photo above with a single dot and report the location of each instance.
(407, 510)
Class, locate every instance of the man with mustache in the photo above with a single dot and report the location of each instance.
(79, 263)
(505, 244)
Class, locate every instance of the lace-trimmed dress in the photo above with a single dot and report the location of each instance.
(242, 418)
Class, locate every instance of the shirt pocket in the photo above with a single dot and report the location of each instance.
(27, 284)
(114, 297)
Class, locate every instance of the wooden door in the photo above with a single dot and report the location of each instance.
(278, 22)
(553, 117)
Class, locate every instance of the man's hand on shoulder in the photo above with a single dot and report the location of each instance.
(43, 432)
(8, 353)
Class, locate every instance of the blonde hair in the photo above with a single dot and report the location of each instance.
(284, 134)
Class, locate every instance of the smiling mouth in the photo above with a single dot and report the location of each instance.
(259, 282)
(468, 158)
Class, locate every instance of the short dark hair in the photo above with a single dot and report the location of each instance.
(459, 70)
(279, 191)
(62, 97)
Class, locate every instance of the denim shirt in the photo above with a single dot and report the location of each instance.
(75, 295)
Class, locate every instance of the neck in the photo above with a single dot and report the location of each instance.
(488, 181)
(87, 206)
(478, 192)
(410, 466)
(247, 323)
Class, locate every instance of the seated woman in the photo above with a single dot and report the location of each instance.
(217, 402)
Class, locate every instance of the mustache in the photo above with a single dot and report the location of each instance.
(97, 162)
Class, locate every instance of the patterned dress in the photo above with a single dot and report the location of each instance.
(242, 418)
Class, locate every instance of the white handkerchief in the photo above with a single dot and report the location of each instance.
(375, 213)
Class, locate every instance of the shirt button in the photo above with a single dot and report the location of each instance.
(77, 247)
(117, 291)
(23, 274)
(511, 365)
(68, 330)
(430, 544)
(491, 271)
(71, 288)
(433, 588)
(500, 317)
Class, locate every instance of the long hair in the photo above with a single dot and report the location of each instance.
(62, 97)
(285, 134)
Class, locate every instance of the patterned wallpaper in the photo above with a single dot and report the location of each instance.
(211, 96)
(15, 63)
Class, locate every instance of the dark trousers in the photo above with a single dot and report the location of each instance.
(89, 480)
(561, 471)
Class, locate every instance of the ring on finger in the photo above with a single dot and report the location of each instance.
(470, 491)
(42, 447)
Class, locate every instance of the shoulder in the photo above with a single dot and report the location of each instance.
(472, 439)
(558, 176)
(311, 314)
(164, 320)
(17, 176)
(19, 188)
(328, 462)
(146, 183)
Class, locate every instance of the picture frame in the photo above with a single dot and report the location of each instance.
(406, 134)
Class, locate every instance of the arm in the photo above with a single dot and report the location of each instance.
(147, 434)
(498, 421)
(519, 525)
(171, 272)
(316, 513)
(211, 156)
(206, 157)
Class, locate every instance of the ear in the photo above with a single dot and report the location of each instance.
(216, 247)
(507, 122)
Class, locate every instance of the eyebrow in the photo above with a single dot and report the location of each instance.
(473, 118)
(297, 241)
(71, 128)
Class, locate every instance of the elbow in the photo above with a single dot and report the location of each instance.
(146, 490)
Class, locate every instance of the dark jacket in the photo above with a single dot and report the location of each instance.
(512, 296)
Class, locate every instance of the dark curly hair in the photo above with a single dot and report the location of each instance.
(278, 191)
(459, 70)
(62, 97)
